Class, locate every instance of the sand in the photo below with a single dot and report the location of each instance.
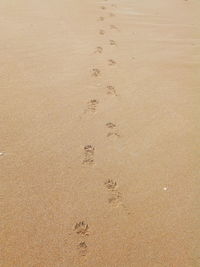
(99, 150)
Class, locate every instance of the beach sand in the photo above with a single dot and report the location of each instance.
(99, 151)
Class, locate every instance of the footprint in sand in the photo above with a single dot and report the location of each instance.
(113, 27)
(115, 199)
(102, 32)
(110, 184)
(88, 155)
(82, 248)
(111, 90)
(103, 7)
(111, 62)
(92, 105)
(114, 195)
(101, 19)
(81, 228)
(111, 14)
(112, 129)
(95, 72)
(112, 42)
(99, 50)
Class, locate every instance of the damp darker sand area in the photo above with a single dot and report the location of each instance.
(99, 133)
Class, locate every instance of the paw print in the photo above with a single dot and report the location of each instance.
(110, 184)
(81, 228)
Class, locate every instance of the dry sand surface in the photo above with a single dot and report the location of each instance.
(99, 139)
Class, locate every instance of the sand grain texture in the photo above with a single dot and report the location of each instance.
(99, 150)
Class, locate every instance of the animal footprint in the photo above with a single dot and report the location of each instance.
(110, 125)
(113, 134)
(103, 7)
(88, 155)
(92, 105)
(115, 199)
(111, 62)
(81, 228)
(111, 90)
(82, 248)
(99, 49)
(102, 32)
(96, 72)
(114, 195)
(113, 27)
(112, 42)
(110, 184)
(101, 19)
(111, 14)
(113, 131)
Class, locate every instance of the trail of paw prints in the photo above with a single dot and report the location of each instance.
(111, 90)
(112, 129)
(82, 230)
(115, 196)
(89, 155)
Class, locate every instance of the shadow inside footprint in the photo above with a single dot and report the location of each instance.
(88, 155)
(95, 72)
(99, 49)
(115, 199)
(82, 247)
(81, 228)
(111, 62)
(110, 184)
(114, 27)
(102, 32)
(113, 134)
(110, 125)
(101, 19)
(92, 105)
(111, 90)
(112, 42)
